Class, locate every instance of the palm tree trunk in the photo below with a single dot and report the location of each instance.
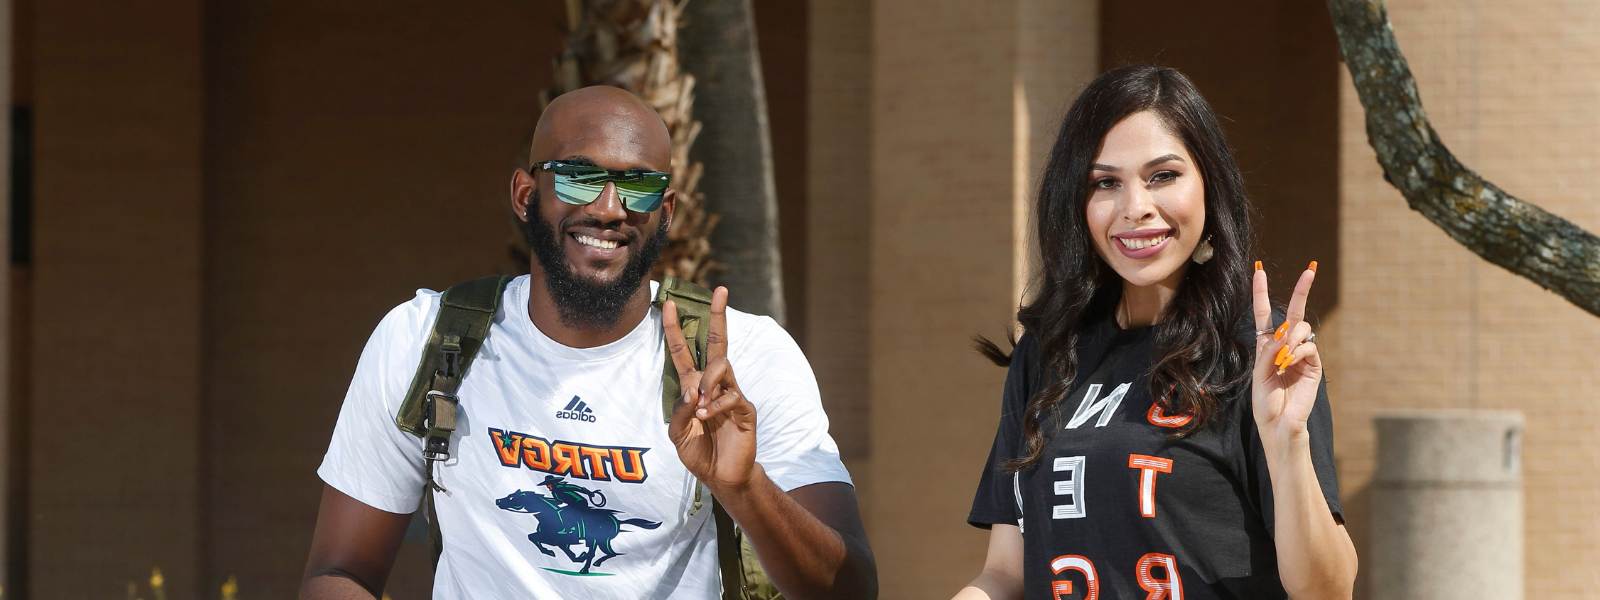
(718, 45)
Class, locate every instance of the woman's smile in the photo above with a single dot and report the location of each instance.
(1143, 243)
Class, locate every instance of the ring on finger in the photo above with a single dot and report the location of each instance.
(1266, 331)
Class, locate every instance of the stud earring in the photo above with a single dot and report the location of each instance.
(1202, 252)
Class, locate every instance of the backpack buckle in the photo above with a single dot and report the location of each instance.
(439, 418)
(436, 449)
(451, 349)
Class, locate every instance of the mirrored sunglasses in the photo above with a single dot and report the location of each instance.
(639, 189)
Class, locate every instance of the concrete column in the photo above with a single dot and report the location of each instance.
(1447, 505)
(952, 136)
(115, 356)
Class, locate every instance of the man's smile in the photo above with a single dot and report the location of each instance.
(595, 244)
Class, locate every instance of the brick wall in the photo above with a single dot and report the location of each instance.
(115, 332)
(1424, 323)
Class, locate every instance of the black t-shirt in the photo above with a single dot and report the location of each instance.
(1115, 504)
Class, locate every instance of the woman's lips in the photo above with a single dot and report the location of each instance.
(1145, 252)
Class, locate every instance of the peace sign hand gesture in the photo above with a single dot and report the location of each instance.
(713, 424)
(1288, 367)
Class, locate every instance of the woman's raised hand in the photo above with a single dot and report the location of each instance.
(1288, 367)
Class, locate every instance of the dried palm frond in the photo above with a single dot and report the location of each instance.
(633, 45)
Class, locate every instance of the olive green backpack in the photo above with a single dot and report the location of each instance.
(429, 411)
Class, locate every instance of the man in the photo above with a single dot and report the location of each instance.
(568, 382)
(568, 493)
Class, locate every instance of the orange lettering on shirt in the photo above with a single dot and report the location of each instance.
(508, 452)
(1168, 586)
(631, 470)
(536, 454)
(575, 459)
(597, 462)
(1148, 467)
(567, 459)
(1160, 419)
(1073, 562)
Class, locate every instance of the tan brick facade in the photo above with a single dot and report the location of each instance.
(251, 165)
(962, 92)
(1424, 323)
(115, 424)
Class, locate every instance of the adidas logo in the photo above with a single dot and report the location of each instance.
(577, 411)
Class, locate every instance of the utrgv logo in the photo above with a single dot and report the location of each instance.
(576, 410)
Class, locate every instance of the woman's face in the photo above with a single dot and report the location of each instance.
(1147, 203)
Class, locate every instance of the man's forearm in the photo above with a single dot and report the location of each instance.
(805, 557)
(334, 586)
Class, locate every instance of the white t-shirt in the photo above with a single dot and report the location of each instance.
(533, 410)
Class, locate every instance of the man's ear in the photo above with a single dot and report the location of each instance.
(669, 203)
(522, 187)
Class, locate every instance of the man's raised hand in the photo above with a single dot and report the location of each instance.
(713, 423)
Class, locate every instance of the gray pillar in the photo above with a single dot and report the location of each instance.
(1447, 506)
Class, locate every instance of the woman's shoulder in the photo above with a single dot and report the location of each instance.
(1028, 343)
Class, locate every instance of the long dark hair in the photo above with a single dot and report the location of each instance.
(1198, 356)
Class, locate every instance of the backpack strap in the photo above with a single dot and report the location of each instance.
(466, 310)
(694, 318)
(742, 575)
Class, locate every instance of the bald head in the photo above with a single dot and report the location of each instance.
(605, 124)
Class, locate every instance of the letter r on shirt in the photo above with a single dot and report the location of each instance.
(1167, 587)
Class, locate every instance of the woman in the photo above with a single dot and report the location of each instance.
(1164, 434)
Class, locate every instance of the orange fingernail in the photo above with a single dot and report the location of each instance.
(1285, 365)
(1313, 266)
(1282, 329)
(1282, 352)
(1258, 265)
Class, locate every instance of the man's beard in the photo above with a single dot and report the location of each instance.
(583, 303)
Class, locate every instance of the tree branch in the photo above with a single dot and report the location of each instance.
(1519, 236)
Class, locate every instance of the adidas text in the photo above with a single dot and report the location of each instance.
(576, 410)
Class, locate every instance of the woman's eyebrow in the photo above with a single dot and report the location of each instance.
(1100, 167)
(1163, 159)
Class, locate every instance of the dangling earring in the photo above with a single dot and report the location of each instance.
(1202, 253)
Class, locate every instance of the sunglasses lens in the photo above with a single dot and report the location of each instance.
(639, 192)
(573, 190)
(639, 201)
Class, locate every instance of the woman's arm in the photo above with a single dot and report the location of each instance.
(1002, 568)
(1315, 556)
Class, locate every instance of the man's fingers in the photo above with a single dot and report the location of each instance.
(683, 409)
(1297, 302)
(676, 345)
(717, 337)
(1262, 301)
(717, 376)
(729, 403)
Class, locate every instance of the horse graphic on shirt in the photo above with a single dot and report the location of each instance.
(563, 524)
